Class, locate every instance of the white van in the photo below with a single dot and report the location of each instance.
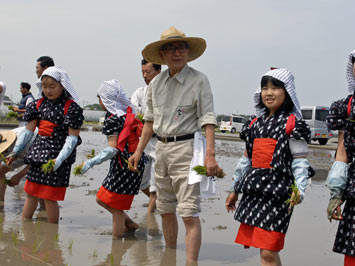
(232, 123)
(316, 116)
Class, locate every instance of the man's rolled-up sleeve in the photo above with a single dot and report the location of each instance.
(149, 115)
(205, 111)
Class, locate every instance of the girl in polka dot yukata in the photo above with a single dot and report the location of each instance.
(276, 147)
(122, 130)
(341, 177)
(58, 118)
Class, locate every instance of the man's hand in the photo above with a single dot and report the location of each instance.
(230, 201)
(134, 160)
(211, 165)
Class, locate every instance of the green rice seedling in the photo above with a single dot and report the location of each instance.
(46, 256)
(77, 169)
(14, 237)
(6, 181)
(11, 114)
(48, 167)
(112, 261)
(91, 154)
(2, 158)
(294, 197)
(130, 166)
(35, 247)
(95, 254)
(11, 108)
(56, 237)
(139, 116)
(202, 170)
(70, 246)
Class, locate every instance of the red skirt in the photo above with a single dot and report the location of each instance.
(114, 200)
(252, 236)
(349, 260)
(44, 191)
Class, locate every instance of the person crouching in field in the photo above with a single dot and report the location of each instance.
(122, 130)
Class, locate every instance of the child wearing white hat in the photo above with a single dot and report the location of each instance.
(276, 147)
(58, 118)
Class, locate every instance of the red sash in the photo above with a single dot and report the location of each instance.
(45, 127)
(263, 150)
(130, 133)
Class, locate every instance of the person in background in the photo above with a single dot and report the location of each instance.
(139, 100)
(179, 105)
(42, 64)
(27, 98)
(2, 91)
(341, 177)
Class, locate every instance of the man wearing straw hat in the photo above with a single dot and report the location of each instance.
(179, 103)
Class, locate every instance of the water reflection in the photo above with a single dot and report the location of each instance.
(40, 243)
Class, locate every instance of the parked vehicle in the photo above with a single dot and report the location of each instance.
(232, 123)
(315, 117)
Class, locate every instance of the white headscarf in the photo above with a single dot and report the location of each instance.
(61, 76)
(287, 78)
(113, 97)
(2, 94)
(350, 73)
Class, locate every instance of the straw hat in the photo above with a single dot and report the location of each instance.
(7, 138)
(151, 51)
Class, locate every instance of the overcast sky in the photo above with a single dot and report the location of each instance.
(101, 40)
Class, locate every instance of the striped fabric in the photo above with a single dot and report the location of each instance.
(61, 76)
(2, 94)
(113, 97)
(287, 78)
(350, 73)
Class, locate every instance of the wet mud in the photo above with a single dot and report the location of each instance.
(83, 235)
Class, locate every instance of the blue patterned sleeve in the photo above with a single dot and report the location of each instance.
(74, 118)
(338, 114)
(31, 112)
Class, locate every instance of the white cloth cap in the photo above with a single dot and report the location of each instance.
(287, 78)
(2, 94)
(60, 75)
(113, 97)
(350, 73)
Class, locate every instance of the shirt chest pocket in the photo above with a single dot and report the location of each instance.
(158, 106)
(184, 107)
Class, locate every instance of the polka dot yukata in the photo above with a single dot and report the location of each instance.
(265, 190)
(339, 119)
(48, 147)
(120, 179)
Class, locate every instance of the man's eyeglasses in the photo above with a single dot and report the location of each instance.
(171, 49)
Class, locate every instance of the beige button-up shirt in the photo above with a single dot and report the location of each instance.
(179, 105)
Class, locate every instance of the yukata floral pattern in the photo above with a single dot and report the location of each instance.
(120, 179)
(265, 190)
(340, 119)
(44, 148)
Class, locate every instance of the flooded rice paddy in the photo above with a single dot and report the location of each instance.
(83, 235)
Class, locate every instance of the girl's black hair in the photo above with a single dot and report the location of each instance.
(353, 60)
(287, 104)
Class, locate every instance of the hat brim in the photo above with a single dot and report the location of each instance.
(196, 49)
(8, 138)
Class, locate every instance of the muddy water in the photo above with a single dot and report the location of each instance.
(83, 236)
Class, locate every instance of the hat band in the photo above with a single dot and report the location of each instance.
(174, 37)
